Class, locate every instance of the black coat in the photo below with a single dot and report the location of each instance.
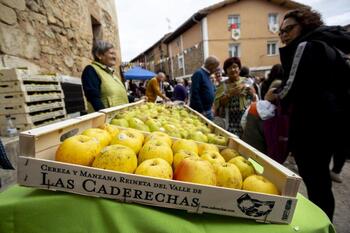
(312, 99)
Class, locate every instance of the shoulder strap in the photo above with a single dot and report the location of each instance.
(296, 60)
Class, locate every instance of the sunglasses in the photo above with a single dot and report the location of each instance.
(287, 29)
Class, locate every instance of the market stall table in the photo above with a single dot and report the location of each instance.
(30, 210)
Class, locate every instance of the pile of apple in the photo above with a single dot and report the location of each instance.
(157, 155)
(176, 121)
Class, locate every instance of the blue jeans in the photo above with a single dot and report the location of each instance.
(208, 114)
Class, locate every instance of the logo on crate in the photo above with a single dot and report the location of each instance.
(253, 207)
(287, 210)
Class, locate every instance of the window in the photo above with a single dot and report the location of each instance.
(233, 21)
(96, 29)
(234, 50)
(273, 19)
(180, 61)
(272, 48)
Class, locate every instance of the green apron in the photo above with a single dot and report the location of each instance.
(113, 92)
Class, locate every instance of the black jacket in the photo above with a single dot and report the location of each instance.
(312, 99)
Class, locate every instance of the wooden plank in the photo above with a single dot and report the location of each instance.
(21, 108)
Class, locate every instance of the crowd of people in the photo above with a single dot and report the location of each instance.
(308, 91)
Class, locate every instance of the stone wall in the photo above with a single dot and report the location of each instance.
(55, 35)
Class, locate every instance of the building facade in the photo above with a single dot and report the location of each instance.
(57, 35)
(155, 58)
(244, 28)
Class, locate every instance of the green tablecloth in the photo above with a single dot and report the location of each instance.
(27, 210)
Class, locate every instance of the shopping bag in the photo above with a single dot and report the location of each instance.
(276, 130)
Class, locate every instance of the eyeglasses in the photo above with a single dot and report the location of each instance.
(287, 29)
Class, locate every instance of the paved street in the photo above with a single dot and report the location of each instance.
(342, 200)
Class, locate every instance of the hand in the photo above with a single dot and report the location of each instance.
(237, 90)
(270, 95)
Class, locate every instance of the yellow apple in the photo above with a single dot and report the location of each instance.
(101, 135)
(195, 170)
(260, 184)
(78, 149)
(212, 157)
(113, 130)
(156, 148)
(229, 154)
(161, 136)
(156, 167)
(130, 138)
(228, 175)
(246, 167)
(205, 146)
(185, 144)
(118, 158)
(180, 155)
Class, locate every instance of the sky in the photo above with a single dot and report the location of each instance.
(143, 22)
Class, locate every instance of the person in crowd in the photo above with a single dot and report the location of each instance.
(142, 88)
(233, 96)
(314, 98)
(102, 87)
(168, 89)
(276, 73)
(251, 79)
(153, 88)
(253, 119)
(180, 92)
(202, 89)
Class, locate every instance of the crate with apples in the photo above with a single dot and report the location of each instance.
(88, 156)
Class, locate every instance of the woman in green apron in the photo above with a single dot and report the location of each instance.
(102, 88)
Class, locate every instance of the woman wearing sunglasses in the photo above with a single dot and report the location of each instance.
(312, 97)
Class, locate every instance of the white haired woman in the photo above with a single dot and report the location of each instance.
(102, 87)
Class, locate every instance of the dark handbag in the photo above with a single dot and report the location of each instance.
(276, 130)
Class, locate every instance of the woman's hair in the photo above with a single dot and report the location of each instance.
(100, 47)
(230, 61)
(307, 18)
(276, 73)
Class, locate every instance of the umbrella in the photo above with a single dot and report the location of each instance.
(138, 73)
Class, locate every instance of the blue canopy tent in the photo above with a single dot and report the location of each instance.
(138, 73)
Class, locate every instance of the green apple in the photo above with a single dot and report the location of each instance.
(217, 139)
(198, 136)
(229, 153)
(120, 122)
(153, 125)
(246, 167)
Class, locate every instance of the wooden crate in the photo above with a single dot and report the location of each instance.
(22, 97)
(37, 168)
(17, 108)
(20, 86)
(12, 74)
(31, 119)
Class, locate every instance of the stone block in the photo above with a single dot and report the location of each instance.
(13, 62)
(7, 15)
(48, 50)
(13, 41)
(69, 61)
(39, 18)
(16, 4)
(32, 5)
